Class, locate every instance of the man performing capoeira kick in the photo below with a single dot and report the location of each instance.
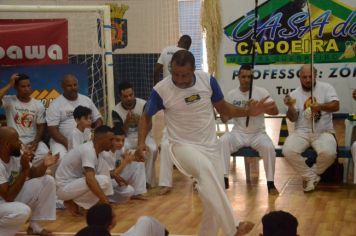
(188, 99)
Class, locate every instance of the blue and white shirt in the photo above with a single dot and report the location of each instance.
(189, 113)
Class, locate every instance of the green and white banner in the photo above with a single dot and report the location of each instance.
(288, 33)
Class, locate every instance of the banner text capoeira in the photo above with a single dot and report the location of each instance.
(33, 42)
(287, 35)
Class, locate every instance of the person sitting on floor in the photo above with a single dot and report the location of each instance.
(127, 173)
(102, 215)
(23, 187)
(83, 177)
(279, 223)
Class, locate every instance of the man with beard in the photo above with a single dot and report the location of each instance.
(127, 114)
(188, 99)
(305, 110)
(25, 114)
(83, 177)
(24, 188)
(60, 118)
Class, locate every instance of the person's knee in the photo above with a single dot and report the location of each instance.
(287, 151)
(144, 221)
(329, 153)
(104, 181)
(23, 212)
(48, 180)
(20, 215)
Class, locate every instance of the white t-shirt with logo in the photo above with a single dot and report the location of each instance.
(78, 137)
(24, 116)
(240, 99)
(72, 164)
(188, 113)
(323, 93)
(9, 171)
(166, 57)
(60, 113)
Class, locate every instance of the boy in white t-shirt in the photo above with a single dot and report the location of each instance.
(82, 133)
(128, 175)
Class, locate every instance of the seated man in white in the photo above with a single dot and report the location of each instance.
(83, 177)
(254, 135)
(127, 114)
(25, 114)
(82, 133)
(128, 175)
(24, 188)
(305, 111)
(59, 114)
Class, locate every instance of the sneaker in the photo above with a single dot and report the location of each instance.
(311, 184)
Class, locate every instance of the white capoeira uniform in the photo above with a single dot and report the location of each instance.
(60, 113)
(37, 195)
(132, 136)
(146, 226)
(353, 152)
(70, 179)
(133, 174)
(322, 139)
(24, 117)
(78, 137)
(252, 136)
(194, 147)
(166, 164)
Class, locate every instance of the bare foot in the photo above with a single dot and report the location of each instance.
(244, 228)
(139, 197)
(44, 232)
(164, 190)
(72, 207)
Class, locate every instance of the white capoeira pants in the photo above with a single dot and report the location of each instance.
(78, 191)
(233, 141)
(146, 226)
(12, 216)
(134, 175)
(353, 152)
(206, 167)
(38, 195)
(324, 144)
(150, 158)
(121, 193)
(166, 163)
